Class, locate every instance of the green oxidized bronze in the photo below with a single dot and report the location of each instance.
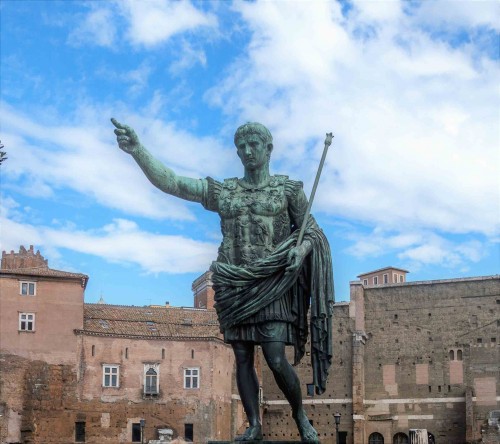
(265, 279)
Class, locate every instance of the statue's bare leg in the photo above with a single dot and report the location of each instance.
(248, 387)
(289, 384)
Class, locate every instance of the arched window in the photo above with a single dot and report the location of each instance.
(400, 438)
(452, 355)
(151, 382)
(459, 355)
(431, 438)
(375, 438)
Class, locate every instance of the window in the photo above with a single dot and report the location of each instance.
(136, 432)
(191, 378)
(27, 288)
(395, 278)
(386, 278)
(27, 321)
(400, 438)
(452, 355)
(162, 353)
(93, 350)
(151, 379)
(375, 438)
(375, 280)
(401, 278)
(365, 281)
(479, 340)
(80, 431)
(110, 375)
(188, 432)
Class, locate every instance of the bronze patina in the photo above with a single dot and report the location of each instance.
(266, 280)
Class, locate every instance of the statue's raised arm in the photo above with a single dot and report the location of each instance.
(159, 175)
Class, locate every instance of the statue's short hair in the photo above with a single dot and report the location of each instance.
(254, 128)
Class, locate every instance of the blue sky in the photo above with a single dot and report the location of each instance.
(409, 89)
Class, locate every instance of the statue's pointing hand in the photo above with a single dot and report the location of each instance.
(126, 137)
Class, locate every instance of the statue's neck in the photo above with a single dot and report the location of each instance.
(258, 177)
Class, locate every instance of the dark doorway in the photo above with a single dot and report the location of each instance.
(342, 437)
(188, 432)
(80, 431)
(136, 432)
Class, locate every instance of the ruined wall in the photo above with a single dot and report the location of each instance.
(41, 402)
(423, 339)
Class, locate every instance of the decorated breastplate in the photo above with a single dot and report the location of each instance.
(253, 220)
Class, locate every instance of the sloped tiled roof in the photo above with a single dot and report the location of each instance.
(45, 272)
(150, 322)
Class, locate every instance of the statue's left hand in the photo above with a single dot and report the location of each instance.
(295, 258)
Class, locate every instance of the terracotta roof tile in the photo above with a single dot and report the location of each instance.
(172, 322)
(42, 271)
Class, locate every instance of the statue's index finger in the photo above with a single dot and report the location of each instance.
(116, 123)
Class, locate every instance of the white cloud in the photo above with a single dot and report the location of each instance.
(377, 11)
(97, 28)
(416, 249)
(155, 21)
(120, 241)
(415, 120)
(85, 158)
(471, 13)
(188, 57)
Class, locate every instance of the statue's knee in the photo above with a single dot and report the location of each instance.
(276, 364)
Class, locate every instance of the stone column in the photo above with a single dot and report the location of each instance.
(358, 361)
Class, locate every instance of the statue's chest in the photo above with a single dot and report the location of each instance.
(236, 201)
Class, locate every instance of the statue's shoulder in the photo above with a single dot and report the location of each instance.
(230, 183)
(292, 187)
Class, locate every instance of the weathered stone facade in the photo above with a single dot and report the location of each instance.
(416, 355)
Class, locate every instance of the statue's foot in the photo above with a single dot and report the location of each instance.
(307, 432)
(253, 433)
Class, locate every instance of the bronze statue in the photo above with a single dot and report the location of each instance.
(265, 281)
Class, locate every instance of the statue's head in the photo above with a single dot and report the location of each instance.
(254, 128)
(255, 144)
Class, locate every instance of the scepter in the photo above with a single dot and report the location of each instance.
(328, 142)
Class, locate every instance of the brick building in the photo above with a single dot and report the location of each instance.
(75, 372)
(407, 355)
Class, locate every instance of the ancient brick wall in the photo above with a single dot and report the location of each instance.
(423, 338)
(41, 406)
(207, 407)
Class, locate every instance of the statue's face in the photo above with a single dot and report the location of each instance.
(252, 151)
